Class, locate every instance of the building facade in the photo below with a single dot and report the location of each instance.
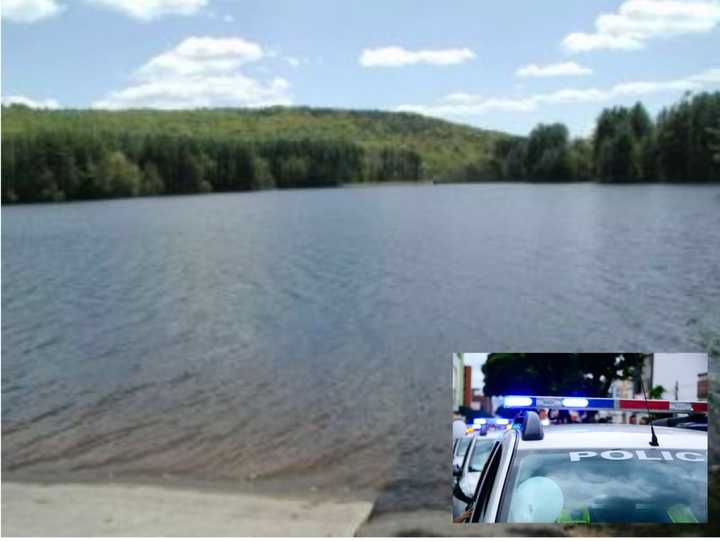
(679, 374)
(458, 380)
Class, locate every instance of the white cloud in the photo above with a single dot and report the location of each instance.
(464, 104)
(711, 76)
(294, 62)
(553, 70)
(188, 93)
(29, 11)
(637, 21)
(228, 18)
(394, 57)
(578, 42)
(200, 72)
(198, 55)
(29, 102)
(147, 10)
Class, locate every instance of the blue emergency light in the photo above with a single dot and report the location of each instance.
(518, 401)
(575, 402)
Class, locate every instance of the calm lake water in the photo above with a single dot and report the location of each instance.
(302, 338)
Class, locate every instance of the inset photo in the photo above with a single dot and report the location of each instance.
(580, 438)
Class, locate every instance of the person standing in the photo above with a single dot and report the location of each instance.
(459, 429)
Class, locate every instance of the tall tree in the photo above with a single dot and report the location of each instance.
(640, 121)
(563, 374)
(548, 155)
(119, 176)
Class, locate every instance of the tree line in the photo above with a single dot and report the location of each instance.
(68, 155)
(559, 374)
(57, 165)
(683, 145)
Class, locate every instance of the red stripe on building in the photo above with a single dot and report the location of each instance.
(467, 390)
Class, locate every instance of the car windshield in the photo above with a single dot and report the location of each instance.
(611, 486)
(462, 447)
(480, 454)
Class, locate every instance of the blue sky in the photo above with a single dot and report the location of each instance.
(501, 65)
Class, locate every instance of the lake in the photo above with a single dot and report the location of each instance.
(301, 339)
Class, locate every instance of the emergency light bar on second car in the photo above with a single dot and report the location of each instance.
(481, 424)
(594, 404)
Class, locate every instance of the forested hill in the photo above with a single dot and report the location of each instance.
(86, 154)
(83, 154)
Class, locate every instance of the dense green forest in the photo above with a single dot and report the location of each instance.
(86, 154)
(681, 145)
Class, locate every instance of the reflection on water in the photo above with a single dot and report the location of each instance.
(304, 336)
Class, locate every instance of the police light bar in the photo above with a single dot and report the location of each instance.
(481, 422)
(594, 404)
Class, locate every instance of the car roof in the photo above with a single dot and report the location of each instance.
(481, 439)
(609, 436)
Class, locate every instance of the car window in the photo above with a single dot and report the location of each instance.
(480, 454)
(482, 491)
(614, 485)
(462, 447)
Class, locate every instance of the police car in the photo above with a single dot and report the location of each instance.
(594, 473)
(460, 448)
(468, 473)
(693, 421)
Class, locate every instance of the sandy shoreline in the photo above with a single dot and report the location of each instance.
(65, 509)
(127, 510)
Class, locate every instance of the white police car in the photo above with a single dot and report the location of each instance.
(460, 448)
(468, 474)
(594, 473)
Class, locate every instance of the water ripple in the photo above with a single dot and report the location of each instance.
(304, 336)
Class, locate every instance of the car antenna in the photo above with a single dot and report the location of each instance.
(653, 440)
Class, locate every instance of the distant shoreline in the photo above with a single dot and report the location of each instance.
(356, 185)
(91, 154)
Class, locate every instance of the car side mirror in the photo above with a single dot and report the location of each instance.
(456, 470)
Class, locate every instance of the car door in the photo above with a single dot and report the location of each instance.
(487, 493)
